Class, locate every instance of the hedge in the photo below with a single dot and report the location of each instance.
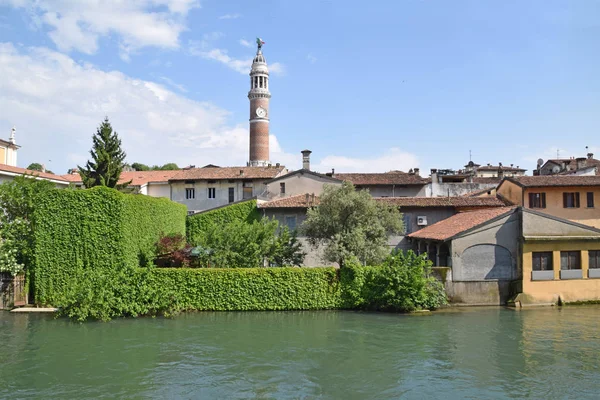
(95, 234)
(243, 211)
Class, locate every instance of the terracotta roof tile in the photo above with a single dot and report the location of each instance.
(572, 164)
(556, 180)
(298, 201)
(139, 178)
(442, 201)
(497, 167)
(228, 173)
(386, 178)
(458, 223)
(22, 171)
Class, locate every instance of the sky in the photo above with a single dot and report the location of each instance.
(367, 86)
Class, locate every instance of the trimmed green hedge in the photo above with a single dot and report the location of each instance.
(87, 235)
(230, 289)
(244, 211)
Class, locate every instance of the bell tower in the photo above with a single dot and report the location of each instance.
(259, 96)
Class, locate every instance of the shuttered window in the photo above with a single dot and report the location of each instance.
(537, 200)
(590, 199)
(571, 200)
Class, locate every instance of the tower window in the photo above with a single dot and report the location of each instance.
(260, 81)
(255, 82)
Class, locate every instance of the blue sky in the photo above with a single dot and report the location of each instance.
(368, 86)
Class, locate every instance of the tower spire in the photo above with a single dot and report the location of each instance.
(259, 96)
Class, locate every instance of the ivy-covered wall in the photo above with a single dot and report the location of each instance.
(97, 232)
(243, 211)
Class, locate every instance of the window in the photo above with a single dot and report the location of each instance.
(590, 199)
(594, 259)
(247, 193)
(537, 200)
(570, 260)
(282, 188)
(212, 193)
(190, 193)
(231, 195)
(290, 222)
(542, 261)
(571, 200)
(407, 225)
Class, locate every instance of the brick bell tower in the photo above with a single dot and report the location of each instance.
(259, 96)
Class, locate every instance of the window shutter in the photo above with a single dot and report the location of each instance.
(577, 200)
(531, 200)
(564, 200)
(543, 200)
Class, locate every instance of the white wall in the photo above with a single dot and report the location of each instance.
(201, 202)
(159, 190)
(298, 184)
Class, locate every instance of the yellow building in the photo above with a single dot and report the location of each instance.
(575, 198)
(560, 260)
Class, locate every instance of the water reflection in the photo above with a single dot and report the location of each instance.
(473, 353)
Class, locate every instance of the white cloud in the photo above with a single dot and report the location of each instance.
(230, 16)
(240, 65)
(171, 83)
(311, 59)
(77, 25)
(57, 103)
(393, 159)
(246, 43)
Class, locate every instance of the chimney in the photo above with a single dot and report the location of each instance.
(416, 170)
(581, 162)
(43, 168)
(306, 159)
(241, 172)
(590, 156)
(500, 173)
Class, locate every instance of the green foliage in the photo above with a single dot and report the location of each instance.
(350, 223)
(38, 167)
(238, 244)
(143, 167)
(18, 199)
(402, 283)
(197, 225)
(140, 167)
(85, 240)
(107, 159)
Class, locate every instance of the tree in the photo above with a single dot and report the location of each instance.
(38, 167)
(140, 167)
(169, 167)
(351, 223)
(107, 159)
(17, 200)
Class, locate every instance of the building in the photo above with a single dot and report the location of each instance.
(449, 183)
(577, 166)
(570, 197)
(513, 253)
(493, 171)
(8, 150)
(387, 184)
(205, 188)
(259, 96)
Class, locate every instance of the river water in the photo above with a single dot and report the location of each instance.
(476, 353)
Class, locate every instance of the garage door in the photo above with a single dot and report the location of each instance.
(486, 261)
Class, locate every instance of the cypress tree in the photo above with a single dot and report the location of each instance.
(104, 169)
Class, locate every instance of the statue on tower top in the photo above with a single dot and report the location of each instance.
(260, 43)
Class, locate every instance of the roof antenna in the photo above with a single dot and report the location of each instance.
(470, 159)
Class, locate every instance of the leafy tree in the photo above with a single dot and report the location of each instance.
(18, 198)
(140, 167)
(238, 244)
(38, 167)
(351, 223)
(35, 167)
(169, 167)
(107, 159)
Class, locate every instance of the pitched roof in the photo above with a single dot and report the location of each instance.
(555, 180)
(571, 164)
(297, 201)
(216, 173)
(478, 193)
(442, 201)
(385, 178)
(497, 167)
(22, 171)
(139, 178)
(303, 172)
(458, 223)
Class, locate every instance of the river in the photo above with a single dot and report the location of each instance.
(477, 353)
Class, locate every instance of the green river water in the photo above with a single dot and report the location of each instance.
(476, 353)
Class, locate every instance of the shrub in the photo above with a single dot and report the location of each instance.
(197, 225)
(86, 241)
(173, 251)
